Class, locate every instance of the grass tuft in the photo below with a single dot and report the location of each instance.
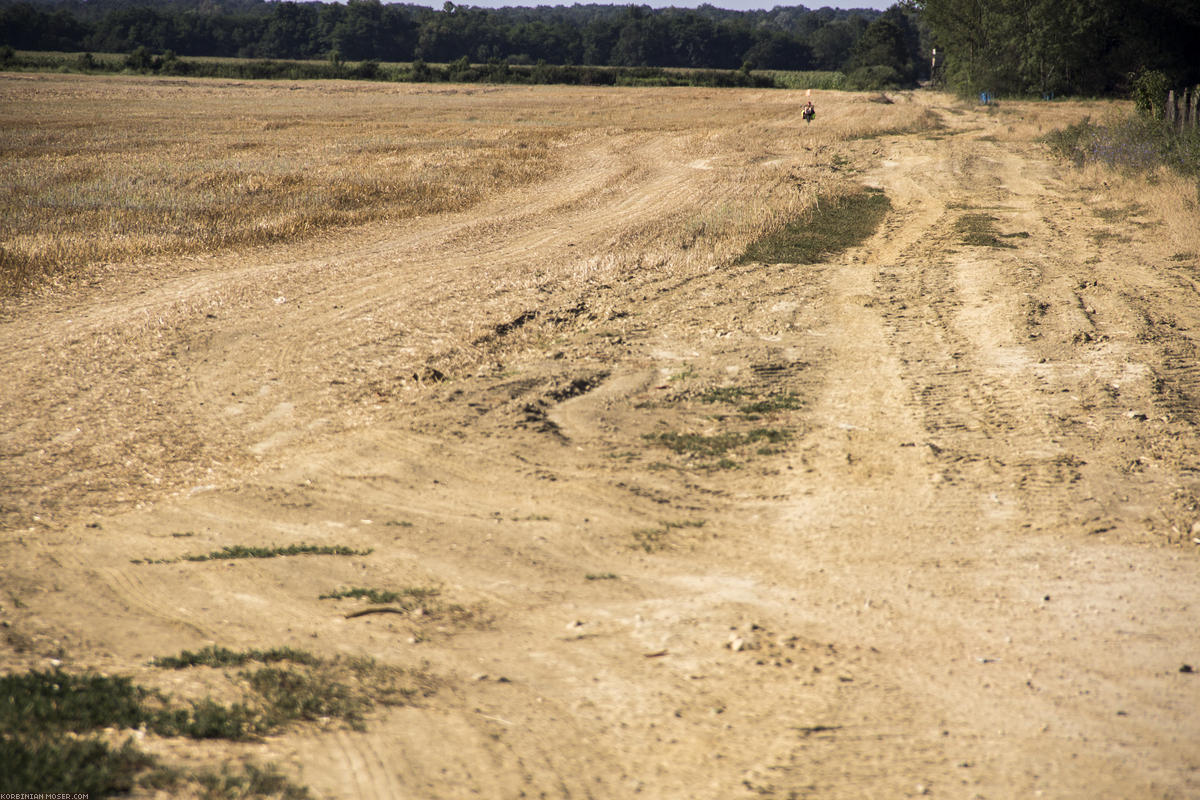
(242, 551)
(411, 596)
(421, 599)
(239, 551)
(217, 656)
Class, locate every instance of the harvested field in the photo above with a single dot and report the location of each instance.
(470, 441)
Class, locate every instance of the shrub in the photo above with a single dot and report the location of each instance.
(875, 78)
(1149, 92)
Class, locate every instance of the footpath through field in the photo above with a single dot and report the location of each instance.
(915, 520)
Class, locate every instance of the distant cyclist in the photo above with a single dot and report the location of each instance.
(809, 112)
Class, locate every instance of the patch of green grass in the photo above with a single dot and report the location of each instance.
(85, 766)
(49, 721)
(207, 719)
(410, 598)
(716, 445)
(835, 224)
(723, 394)
(979, 230)
(59, 701)
(399, 523)
(295, 694)
(687, 372)
(239, 551)
(217, 656)
(788, 401)
(227, 784)
(601, 576)
(653, 540)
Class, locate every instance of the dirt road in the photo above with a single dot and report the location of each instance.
(913, 521)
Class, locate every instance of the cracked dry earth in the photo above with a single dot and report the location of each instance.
(915, 520)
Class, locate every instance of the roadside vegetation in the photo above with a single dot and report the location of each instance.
(60, 731)
(1151, 163)
(1138, 142)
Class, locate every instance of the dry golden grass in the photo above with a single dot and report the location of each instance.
(113, 170)
(1167, 196)
(102, 172)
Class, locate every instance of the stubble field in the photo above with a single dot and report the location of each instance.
(458, 426)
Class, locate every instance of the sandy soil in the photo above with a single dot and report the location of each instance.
(969, 572)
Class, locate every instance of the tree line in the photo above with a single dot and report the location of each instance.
(1006, 47)
(885, 48)
(1055, 47)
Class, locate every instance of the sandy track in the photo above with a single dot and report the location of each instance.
(967, 573)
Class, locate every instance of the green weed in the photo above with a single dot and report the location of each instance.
(217, 656)
(238, 551)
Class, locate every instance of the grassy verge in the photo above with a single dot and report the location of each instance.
(1135, 143)
(835, 224)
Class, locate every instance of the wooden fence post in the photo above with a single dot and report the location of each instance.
(1169, 116)
(1194, 108)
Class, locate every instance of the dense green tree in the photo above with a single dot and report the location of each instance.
(1078, 46)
